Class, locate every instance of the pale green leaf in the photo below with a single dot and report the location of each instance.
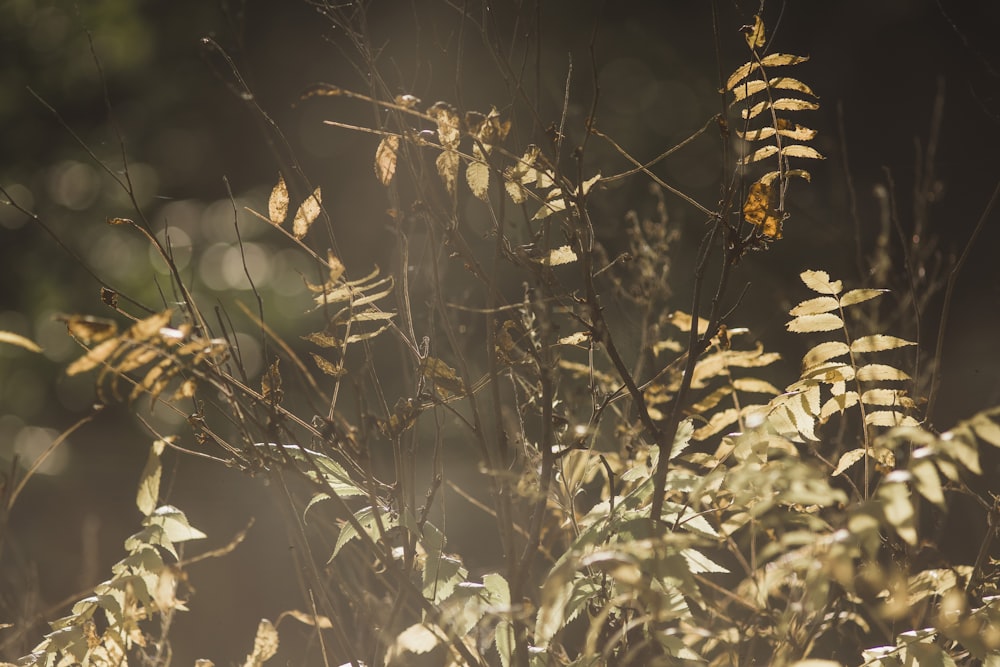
(814, 323)
(504, 641)
(820, 304)
(878, 343)
(174, 524)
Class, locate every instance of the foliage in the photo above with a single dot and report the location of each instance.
(656, 500)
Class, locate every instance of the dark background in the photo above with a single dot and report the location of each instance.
(877, 67)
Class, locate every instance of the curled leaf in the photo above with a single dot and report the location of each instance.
(306, 215)
(385, 158)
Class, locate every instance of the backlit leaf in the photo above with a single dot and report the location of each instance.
(820, 304)
(15, 339)
(811, 323)
(780, 104)
(770, 60)
(824, 352)
(755, 386)
(755, 34)
(987, 429)
(847, 460)
(265, 645)
(926, 481)
(759, 154)
(417, 639)
(878, 342)
(442, 377)
(149, 482)
(328, 367)
(880, 372)
(819, 281)
(860, 295)
(277, 204)
(90, 330)
(758, 209)
(561, 255)
(308, 211)
(889, 418)
(477, 175)
(798, 150)
(881, 396)
(385, 158)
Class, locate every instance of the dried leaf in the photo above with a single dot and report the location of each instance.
(447, 166)
(270, 384)
(12, 338)
(860, 295)
(824, 352)
(878, 343)
(759, 211)
(815, 306)
(277, 204)
(780, 104)
(755, 34)
(328, 367)
(754, 86)
(798, 150)
(442, 377)
(265, 645)
(881, 372)
(477, 175)
(812, 323)
(771, 60)
(759, 154)
(819, 281)
(306, 215)
(385, 158)
(848, 459)
(561, 255)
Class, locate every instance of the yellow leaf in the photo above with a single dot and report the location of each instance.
(18, 340)
(328, 367)
(881, 372)
(759, 154)
(442, 377)
(824, 352)
(385, 158)
(277, 204)
(771, 60)
(820, 304)
(90, 330)
(447, 166)
(819, 281)
(811, 323)
(878, 342)
(759, 211)
(306, 215)
(889, 418)
(848, 459)
(755, 34)
(477, 175)
(780, 104)
(860, 295)
(561, 255)
(798, 150)
(755, 386)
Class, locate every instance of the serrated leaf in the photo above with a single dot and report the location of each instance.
(277, 203)
(477, 175)
(795, 132)
(824, 352)
(504, 640)
(760, 154)
(815, 306)
(847, 460)
(819, 281)
(881, 372)
(308, 211)
(770, 60)
(327, 366)
(838, 403)
(718, 422)
(699, 563)
(385, 158)
(780, 104)
(878, 343)
(860, 295)
(798, 150)
(447, 167)
(889, 418)
(813, 323)
(174, 524)
(882, 396)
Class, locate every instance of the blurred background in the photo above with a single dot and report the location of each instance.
(88, 83)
